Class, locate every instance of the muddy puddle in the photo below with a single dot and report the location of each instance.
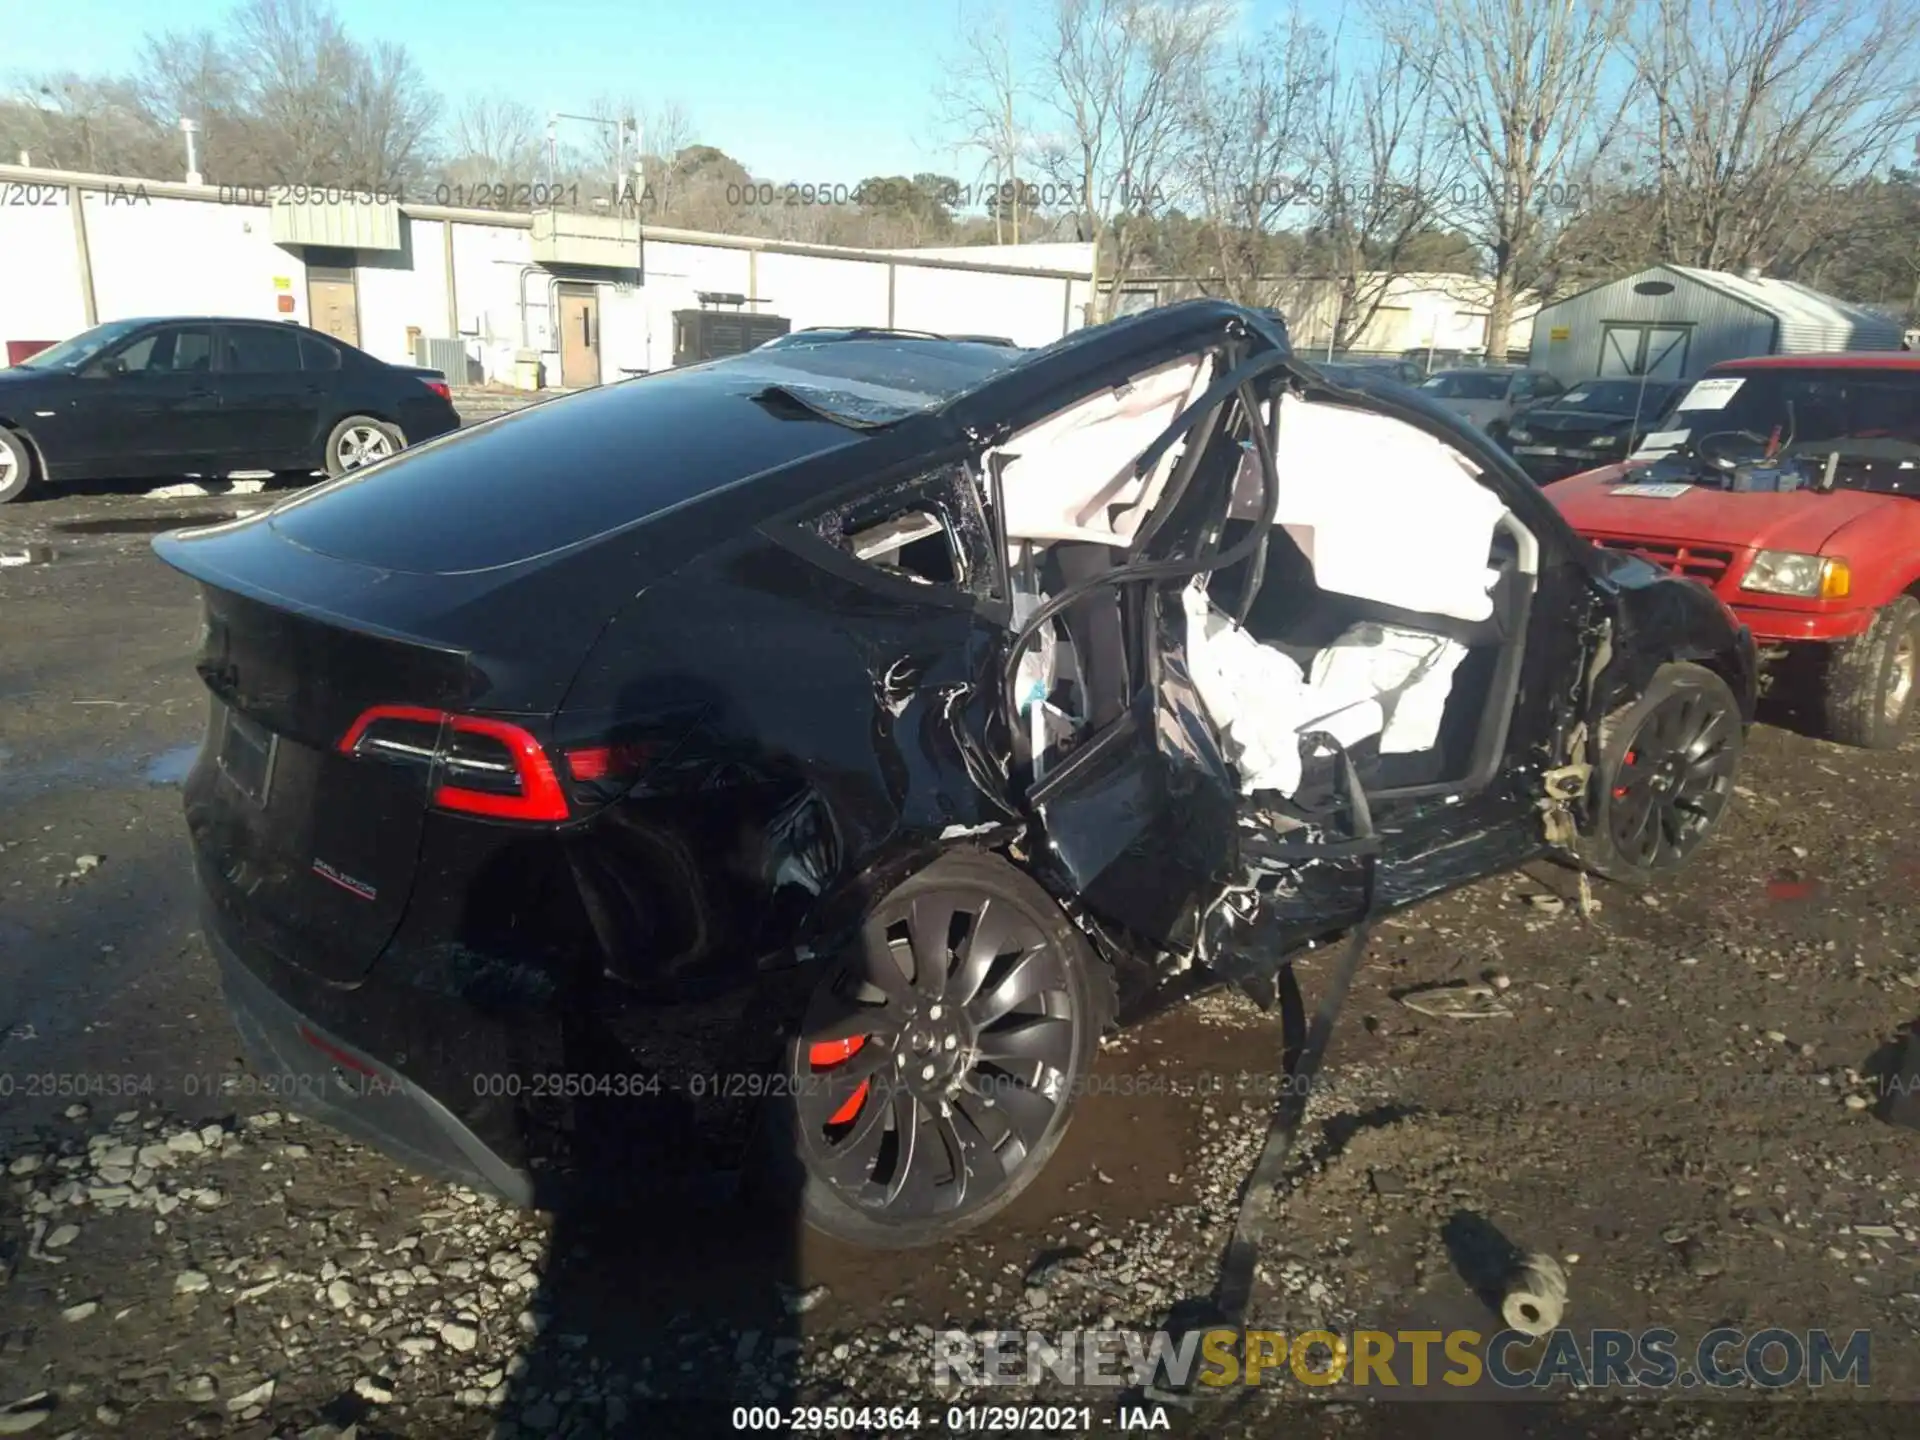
(21, 778)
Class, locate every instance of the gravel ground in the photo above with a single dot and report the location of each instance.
(1673, 1101)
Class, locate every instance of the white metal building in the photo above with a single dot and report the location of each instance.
(1418, 311)
(1673, 321)
(593, 295)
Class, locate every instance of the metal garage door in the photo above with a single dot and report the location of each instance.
(1656, 351)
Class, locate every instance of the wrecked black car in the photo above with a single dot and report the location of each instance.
(837, 738)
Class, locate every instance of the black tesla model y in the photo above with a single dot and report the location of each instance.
(838, 737)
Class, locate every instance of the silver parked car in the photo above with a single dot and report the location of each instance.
(1489, 397)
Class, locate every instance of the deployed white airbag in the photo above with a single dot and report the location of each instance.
(1410, 672)
(1080, 460)
(1374, 680)
(1382, 510)
(1260, 700)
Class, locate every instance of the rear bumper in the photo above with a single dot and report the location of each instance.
(319, 1074)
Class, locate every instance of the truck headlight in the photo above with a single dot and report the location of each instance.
(1784, 572)
(1516, 433)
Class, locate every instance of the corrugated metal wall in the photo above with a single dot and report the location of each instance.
(1728, 318)
(1721, 327)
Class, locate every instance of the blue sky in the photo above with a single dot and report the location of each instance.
(807, 90)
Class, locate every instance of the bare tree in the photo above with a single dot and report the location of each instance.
(1764, 112)
(1387, 169)
(665, 131)
(493, 140)
(1535, 93)
(1122, 76)
(72, 122)
(1249, 148)
(387, 120)
(984, 102)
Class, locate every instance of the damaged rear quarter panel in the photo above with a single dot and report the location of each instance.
(829, 722)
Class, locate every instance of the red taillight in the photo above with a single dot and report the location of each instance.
(440, 388)
(516, 781)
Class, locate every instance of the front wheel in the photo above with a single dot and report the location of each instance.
(1666, 770)
(359, 441)
(1868, 695)
(939, 1061)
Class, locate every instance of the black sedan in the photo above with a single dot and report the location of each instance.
(1597, 422)
(852, 732)
(147, 398)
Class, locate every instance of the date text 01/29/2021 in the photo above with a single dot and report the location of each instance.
(953, 1419)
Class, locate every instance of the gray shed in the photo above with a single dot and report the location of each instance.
(1673, 321)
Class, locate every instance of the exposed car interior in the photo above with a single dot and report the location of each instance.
(1387, 609)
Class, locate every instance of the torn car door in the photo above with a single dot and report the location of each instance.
(1140, 810)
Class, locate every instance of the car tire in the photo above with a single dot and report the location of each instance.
(360, 440)
(1867, 698)
(1664, 777)
(16, 466)
(832, 1132)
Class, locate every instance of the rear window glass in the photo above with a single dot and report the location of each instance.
(260, 350)
(888, 373)
(555, 475)
(318, 354)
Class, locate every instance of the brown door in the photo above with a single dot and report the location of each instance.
(579, 337)
(332, 304)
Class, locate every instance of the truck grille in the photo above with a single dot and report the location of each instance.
(1705, 563)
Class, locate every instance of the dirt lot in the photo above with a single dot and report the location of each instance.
(1672, 1102)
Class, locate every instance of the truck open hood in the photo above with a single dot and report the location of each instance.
(1800, 520)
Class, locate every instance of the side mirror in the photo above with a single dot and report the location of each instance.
(110, 368)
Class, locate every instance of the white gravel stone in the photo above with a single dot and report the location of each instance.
(191, 1282)
(457, 1336)
(258, 1395)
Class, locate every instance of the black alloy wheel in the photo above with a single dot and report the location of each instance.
(940, 1057)
(1668, 766)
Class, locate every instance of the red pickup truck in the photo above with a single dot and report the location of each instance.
(1790, 485)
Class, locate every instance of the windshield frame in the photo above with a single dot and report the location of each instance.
(99, 339)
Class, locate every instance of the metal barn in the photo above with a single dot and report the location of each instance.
(1673, 321)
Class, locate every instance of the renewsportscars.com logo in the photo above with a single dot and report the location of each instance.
(1385, 1360)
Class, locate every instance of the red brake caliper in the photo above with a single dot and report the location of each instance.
(1620, 790)
(824, 1055)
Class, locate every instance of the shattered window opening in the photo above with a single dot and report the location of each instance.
(928, 530)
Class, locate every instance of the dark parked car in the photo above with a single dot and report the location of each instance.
(138, 398)
(1597, 422)
(850, 774)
